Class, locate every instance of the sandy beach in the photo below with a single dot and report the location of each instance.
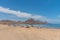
(22, 33)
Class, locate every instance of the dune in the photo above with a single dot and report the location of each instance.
(32, 33)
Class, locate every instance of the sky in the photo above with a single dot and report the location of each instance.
(20, 10)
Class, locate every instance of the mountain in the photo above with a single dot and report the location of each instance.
(7, 22)
(32, 21)
(29, 21)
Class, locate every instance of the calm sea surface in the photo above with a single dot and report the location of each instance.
(44, 25)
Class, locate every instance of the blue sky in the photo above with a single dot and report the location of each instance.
(46, 10)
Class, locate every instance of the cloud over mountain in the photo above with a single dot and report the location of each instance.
(20, 14)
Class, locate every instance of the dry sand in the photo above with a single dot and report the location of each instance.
(21, 33)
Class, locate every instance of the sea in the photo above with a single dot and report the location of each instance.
(43, 25)
(49, 25)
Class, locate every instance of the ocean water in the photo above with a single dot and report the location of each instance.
(49, 25)
(44, 25)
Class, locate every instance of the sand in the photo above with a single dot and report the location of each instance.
(22, 33)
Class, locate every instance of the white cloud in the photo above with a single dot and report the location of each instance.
(19, 13)
(54, 21)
